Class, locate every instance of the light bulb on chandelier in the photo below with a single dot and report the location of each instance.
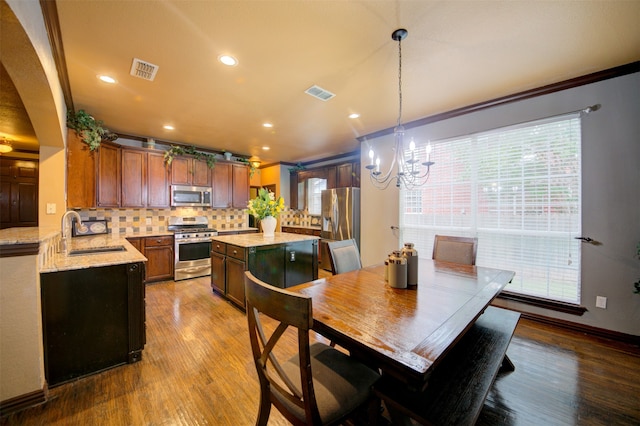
(410, 172)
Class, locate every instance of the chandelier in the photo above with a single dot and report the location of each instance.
(405, 169)
(5, 145)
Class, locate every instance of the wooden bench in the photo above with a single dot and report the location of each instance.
(459, 386)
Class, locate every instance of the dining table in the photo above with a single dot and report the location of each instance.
(405, 333)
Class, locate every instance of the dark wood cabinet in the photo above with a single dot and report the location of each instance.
(348, 175)
(190, 171)
(230, 185)
(235, 280)
(18, 193)
(136, 242)
(218, 271)
(240, 186)
(293, 190)
(160, 256)
(338, 176)
(282, 265)
(81, 173)
(92, 319)
(222, 179)
(134, 178)
(157, 181)
(331, 177)
(124, 177)
(108, 176)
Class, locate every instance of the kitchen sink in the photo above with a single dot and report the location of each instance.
(96, 250)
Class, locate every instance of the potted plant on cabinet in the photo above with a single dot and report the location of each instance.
(90, 130)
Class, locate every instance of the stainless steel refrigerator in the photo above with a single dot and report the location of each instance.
(340, 219)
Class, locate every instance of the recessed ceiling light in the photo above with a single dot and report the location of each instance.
(265, 148)
(107, 79)
(354, 115)
(168, 127)
(228, 60)
(268, 125)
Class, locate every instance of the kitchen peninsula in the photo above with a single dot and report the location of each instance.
(284, 260)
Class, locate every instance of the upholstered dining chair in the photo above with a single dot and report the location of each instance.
(344, 256)
(455, 249)
(317, 385)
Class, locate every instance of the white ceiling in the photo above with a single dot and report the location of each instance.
(457, 53)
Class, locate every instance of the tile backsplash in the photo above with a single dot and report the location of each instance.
(126, 221)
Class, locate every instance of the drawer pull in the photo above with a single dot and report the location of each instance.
(235, 252)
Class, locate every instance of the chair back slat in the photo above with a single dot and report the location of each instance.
(455, 249)
(344, 256)
(291, 309)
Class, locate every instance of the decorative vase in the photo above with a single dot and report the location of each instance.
(227, 156)
(268, 226)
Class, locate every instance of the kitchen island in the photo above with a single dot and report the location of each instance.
(93, 308)
(283, 261)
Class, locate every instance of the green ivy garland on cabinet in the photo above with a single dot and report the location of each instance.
(90, 130)
(209, 158)
(189, 150)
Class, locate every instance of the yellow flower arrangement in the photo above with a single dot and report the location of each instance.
(265, 204)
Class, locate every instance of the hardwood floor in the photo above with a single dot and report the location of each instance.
(197, 369)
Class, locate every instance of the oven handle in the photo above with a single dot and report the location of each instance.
(194, 240)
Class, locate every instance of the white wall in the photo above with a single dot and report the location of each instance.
(611, 192)
(26, 54)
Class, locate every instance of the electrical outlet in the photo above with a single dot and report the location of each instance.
(51, 208)
(601, 302)
(148, 221)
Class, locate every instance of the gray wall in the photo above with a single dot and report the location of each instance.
(610, 191)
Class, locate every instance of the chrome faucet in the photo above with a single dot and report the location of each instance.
(66, 230)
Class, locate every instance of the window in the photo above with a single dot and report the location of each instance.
(516, 189)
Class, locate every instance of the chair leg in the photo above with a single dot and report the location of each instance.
(264, 410)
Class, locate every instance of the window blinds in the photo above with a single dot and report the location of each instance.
(517, 189)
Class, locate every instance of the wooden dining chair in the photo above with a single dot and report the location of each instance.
(455, 249)
(319, 384)
(344, 256)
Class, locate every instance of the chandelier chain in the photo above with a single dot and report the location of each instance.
(399, 82)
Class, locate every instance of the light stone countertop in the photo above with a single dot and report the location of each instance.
(27, 235)
(63, 262)
(255, 240)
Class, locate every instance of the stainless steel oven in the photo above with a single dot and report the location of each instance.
(192, 249)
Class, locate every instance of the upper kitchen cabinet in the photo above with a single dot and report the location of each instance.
(81, 173)
(307, 184)
(134, 178)
(190, 171)
(158, 177)
(348, 174)
(18, 193)
(145, 179)
(109, 179)
(230, 185)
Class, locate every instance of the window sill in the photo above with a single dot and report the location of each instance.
(539, 302)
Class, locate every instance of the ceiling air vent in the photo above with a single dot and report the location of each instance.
(319, 92)
(143, 70)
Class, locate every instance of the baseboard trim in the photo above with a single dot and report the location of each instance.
(21, 402)
(616, 336)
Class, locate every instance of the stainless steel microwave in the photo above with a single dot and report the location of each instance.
(190, 196)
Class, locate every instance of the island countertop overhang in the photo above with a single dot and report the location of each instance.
(257, 239)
